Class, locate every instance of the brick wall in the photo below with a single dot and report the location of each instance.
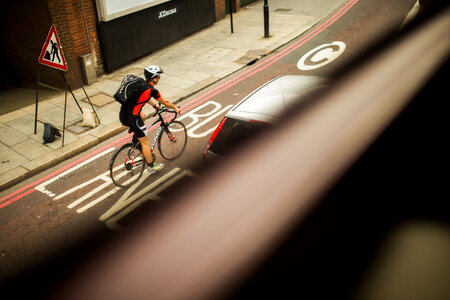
(220, 9)
(221, 6)
(235, 5)
(24, 28)
(82, 25)
(70, 18)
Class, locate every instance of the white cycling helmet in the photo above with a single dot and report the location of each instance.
(152, 71)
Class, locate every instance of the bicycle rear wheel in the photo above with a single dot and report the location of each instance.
(127, 165)
(172, 140)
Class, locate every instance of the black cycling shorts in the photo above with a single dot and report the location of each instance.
(136, 124)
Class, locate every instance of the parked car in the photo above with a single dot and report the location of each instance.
(259, 109)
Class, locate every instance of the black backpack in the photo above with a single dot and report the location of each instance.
(130, 89)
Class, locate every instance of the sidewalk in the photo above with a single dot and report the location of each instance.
(189, 65)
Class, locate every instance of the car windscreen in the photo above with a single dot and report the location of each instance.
(234, 132)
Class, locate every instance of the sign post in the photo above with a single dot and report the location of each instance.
(266, 19)
(231, 15)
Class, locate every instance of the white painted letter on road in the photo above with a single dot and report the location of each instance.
(195, 116)
(320, 56)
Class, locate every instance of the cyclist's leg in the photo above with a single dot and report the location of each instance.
(152, 165)
(140, 132)
(146, 149)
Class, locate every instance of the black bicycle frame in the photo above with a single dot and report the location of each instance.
(162, 126)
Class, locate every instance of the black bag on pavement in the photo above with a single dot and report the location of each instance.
(130, 89)
(49, 133)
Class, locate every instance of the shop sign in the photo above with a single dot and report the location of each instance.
(167, 12)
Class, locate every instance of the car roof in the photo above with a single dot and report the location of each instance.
(272, 100)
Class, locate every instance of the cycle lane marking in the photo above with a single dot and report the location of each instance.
(9, 199)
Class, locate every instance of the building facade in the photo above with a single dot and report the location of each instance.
(113, 32)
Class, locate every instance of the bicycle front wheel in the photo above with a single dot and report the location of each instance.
(172, 140)
(127, 165)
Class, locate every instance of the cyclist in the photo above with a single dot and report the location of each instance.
(132, 115)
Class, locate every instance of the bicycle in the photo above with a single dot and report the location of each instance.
(128, 163)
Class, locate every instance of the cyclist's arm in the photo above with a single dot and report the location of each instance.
(168, 104)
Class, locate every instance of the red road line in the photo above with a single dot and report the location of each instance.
(6, 203)
(194, 103)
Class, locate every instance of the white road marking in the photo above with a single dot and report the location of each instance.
(42, 187)
(195, 116)
(321, 55)
(191, 132)
(127, 198)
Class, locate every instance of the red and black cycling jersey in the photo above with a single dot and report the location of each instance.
(136, 107)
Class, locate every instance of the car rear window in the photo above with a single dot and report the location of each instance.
(234, 132)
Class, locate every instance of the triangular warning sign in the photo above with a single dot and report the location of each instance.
(51, 54)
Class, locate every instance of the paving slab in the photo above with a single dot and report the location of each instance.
(10, 137)
(10, 159)
(31, 149)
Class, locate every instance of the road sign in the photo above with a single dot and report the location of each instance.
(51, 54)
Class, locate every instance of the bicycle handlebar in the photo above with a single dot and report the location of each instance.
(164, 109)
(159, 110)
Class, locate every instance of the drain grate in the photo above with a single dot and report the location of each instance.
(283, 9)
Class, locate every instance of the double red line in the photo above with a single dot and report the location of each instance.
(13, 197)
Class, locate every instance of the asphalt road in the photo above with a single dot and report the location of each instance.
(80, 208)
